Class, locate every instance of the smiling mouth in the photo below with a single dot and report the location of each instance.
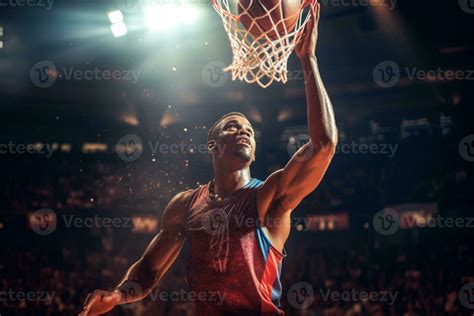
(244, 142)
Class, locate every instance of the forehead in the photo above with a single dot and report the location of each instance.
(236, 118)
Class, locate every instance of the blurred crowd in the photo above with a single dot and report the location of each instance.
(409, 276)
(419, 171)
(414, 277)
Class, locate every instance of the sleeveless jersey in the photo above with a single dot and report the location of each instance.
(232, 268)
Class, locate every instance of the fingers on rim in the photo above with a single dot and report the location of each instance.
(317, 9)
(307, 3)
(312, 3)
(310, 25)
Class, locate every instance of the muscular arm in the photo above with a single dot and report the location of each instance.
(284, 189)
(160, 253)
(145, 274)
(306, 168)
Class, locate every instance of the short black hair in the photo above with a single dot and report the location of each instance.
(212, 130)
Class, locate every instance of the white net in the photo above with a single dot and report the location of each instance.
(260, 55)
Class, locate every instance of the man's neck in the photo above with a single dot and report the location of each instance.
(228, 181)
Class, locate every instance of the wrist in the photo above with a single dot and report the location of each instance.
(307, 59)
(123, 295)
(308, 65)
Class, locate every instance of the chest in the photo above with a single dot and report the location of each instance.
(235, 217)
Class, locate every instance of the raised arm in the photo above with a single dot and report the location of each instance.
(145, 274)
(285, 188)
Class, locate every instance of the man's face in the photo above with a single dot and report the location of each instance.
(234, 139)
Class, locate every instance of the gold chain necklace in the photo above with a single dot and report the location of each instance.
(212, 194)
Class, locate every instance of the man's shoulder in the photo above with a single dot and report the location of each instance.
(184, 197)
(271, 181)
(178, 206)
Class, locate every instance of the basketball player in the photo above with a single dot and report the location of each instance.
(236, 225)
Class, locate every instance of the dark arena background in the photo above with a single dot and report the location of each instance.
(105, 109)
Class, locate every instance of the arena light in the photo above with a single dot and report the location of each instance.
(1, 35)
(90, 148)
(189, 14)
(118, 26)
(119, 29)
(160, 18)
(65, 147)
(163, 17)
(144, 224)
(115, 16)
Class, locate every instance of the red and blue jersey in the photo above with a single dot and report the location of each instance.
(231, 256)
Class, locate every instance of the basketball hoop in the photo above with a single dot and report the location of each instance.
(261, 58)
